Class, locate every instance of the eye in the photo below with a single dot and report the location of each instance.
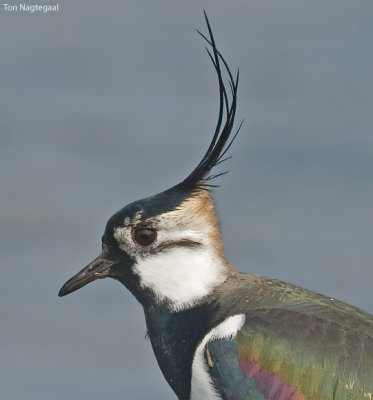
(145, 236)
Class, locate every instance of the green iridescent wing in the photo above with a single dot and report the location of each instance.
(294, 345)
(295, 355)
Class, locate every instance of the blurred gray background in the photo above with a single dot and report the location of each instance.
(106, 102)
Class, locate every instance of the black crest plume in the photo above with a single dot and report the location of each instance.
(219, 145)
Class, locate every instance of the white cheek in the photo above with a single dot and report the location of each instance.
(177, 234)
(181, 275)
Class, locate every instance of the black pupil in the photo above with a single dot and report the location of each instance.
(145, 236)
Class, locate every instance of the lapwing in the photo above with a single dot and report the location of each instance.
(218, 333)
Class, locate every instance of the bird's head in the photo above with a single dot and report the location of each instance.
(167, 247)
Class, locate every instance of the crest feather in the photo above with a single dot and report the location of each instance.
(200, 176)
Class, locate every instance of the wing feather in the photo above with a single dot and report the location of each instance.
(295, 344)
(293, 355)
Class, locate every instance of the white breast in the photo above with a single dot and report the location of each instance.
(201, 386)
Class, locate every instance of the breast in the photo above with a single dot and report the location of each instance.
(202, 384)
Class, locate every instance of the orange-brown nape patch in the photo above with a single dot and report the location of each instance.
(198, 211)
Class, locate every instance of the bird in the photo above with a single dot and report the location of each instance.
(216, 332)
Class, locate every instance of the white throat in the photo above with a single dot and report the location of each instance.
(182, 275)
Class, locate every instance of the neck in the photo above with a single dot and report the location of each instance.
(174, 338)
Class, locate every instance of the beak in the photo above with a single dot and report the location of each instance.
(97, 269)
